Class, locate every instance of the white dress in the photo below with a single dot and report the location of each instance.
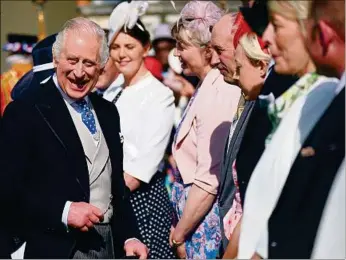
(146, 112)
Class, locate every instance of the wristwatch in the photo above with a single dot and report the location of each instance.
(176, 244)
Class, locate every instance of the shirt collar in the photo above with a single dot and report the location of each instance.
(270, 68)
(341, 84)
(63, 94)
(271, 63)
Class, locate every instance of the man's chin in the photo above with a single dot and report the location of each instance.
(230, 80)
(75, 94)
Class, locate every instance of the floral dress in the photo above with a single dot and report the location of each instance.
(205, 241)
(233, 216)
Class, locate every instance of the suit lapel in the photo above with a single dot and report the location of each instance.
(223, 172)
(239, 128)
(238, 131)
(99, 160)
(88, 143)
(109, 122)
(52, 108)
(109, 136)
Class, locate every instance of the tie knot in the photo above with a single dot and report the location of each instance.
(81, 106)
(87, 116)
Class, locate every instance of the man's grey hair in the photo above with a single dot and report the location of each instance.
(86, 25)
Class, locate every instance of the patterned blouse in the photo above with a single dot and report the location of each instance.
(277, 108)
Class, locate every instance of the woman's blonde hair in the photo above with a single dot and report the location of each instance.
(252, 48)
(195, 22)
(294, 10)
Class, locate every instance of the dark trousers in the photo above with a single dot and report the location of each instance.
(97, 243)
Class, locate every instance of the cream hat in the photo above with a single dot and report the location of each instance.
(125, 15)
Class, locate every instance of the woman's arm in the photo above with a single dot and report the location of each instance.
(131, 182)
(197, 206)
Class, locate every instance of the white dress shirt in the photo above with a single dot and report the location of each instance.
(146, 118)
(271, 172)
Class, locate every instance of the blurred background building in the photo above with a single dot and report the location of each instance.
(45, 17)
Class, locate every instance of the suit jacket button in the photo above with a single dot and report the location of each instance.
(273, 244)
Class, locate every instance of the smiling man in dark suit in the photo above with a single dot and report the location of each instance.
(62, 178)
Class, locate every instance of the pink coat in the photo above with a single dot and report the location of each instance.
(200, 143)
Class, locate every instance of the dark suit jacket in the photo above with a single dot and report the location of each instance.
(227, 188)
(294, 223)
(257, 130)
(43, 166)
(247, 144)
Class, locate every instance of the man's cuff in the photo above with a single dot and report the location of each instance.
(130, 239)
(65, 213)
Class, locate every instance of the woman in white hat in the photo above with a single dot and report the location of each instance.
(146, 109)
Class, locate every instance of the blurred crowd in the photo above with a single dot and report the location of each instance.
(227, 142)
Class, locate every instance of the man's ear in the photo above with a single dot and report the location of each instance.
(102, 70)
(326, 35)
(55, 62)
(209, 52)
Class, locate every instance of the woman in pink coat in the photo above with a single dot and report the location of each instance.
(200, 137)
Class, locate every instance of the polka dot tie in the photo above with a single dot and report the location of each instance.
(88, 118)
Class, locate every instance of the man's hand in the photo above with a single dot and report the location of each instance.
(83, 216)
(136, 248)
